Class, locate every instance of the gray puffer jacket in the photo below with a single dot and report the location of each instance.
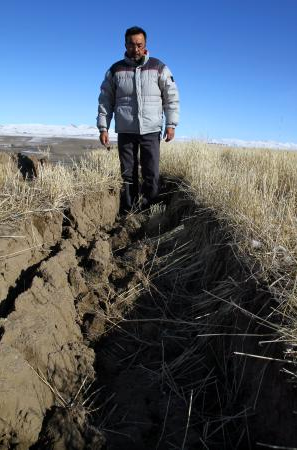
(138, 94)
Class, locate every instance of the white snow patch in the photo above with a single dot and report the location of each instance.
(232, 142)
(255, 144)
(32, 152)
(65, 131)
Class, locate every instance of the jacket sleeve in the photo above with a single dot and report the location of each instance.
(170, 97)
(106, 101)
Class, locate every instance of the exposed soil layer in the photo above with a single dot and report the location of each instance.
(43, 355)
(133, 333)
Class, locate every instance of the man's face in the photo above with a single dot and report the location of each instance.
(135, 46)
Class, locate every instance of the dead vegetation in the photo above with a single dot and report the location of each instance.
(190, 309)
(55, 186)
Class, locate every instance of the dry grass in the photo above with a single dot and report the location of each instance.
(254, 191)
(56, 186)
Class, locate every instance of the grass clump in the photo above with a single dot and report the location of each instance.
(55, 186)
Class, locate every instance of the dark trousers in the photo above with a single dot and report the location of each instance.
(128, 145)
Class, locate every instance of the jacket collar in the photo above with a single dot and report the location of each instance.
(133, 63)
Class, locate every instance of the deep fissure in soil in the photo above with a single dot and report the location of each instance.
(171, 313)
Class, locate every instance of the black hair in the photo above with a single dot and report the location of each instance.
(134, 30)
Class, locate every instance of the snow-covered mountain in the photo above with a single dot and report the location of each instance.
(91, 132)
(64, 131)
(253, 144)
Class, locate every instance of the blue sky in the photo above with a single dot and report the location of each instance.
(234, 61)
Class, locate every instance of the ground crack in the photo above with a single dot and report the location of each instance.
(23, 283)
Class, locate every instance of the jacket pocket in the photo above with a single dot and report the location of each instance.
(152, 115)
(125, 117)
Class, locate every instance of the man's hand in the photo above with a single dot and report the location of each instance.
(104, 139)
(169, 134)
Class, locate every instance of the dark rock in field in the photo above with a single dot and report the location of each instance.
(30, 165)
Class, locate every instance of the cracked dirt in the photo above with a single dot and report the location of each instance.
(42, 346)
(121, 333)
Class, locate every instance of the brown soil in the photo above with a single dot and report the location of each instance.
(121, 333)
(43, 355)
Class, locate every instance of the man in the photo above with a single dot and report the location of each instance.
(138, 89)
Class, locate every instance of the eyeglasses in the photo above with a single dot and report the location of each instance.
(131, 45)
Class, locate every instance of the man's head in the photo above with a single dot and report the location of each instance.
(135, 42)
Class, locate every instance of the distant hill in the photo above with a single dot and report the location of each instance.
(91, 132)
(41, 130)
